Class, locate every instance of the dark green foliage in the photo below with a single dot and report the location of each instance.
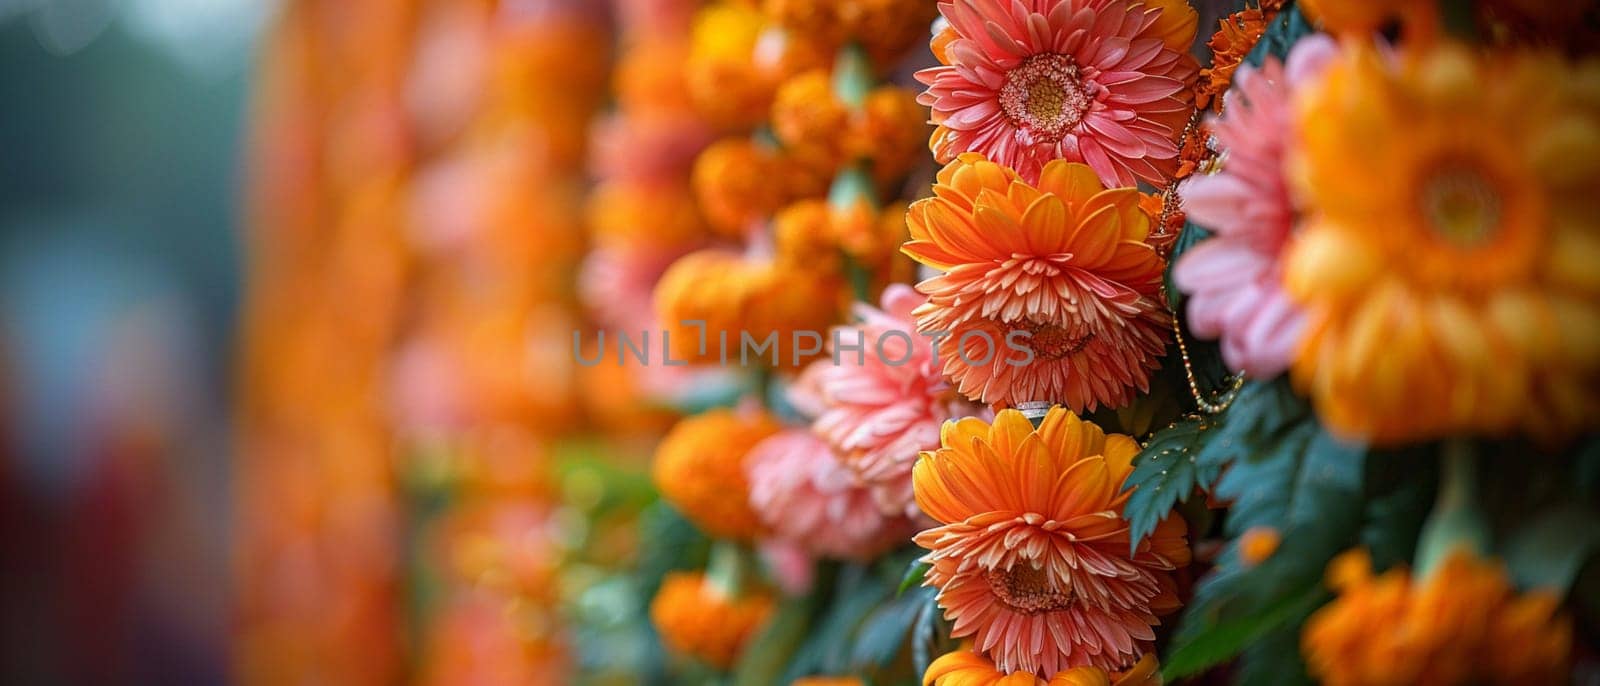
(1549, 550)
(1282, 33)
(1192, 454)
(913, 576)
(1166, 473)
(1230, 637)
(1307, 485)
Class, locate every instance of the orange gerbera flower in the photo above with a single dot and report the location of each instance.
(963, 667)
(1455, 291)
(1462, 625)
(699, 468)
(1064, 263)
(696, 618)
(1032, 555)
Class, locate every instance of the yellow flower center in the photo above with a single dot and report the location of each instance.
(1027, 589)
(1461, 204)
(1045, 96)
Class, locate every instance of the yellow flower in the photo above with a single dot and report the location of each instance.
(1462, 625)
(1447, 265)
(699, 469)
(696, 618)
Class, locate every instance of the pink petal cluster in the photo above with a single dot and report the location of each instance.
(1091, 81)
(806, 495)
(878, 415)
(1234, 278)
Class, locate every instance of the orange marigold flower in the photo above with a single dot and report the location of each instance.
(697, 619)
(892, 131)
(736, 295)
(1065, 261)
(1258, 544)
(734, 181)
(803, 236)
(806, 115)
(1236, 36)
(650, 76)
(1031, 557)
(1464, 624)
(699, 468)
(638, 214)
(726, 82)
(887, 28)
(1464, 275)
(962, 667)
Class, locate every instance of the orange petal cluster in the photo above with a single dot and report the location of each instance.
(1031, 557)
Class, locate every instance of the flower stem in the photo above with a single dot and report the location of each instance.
(1455, 523)
(727, 568)
(852, 76)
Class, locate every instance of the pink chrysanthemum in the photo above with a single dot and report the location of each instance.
(1103, 82)
(804, 494)
(1234, 279)
(880, 413)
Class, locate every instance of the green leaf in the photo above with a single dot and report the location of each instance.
(1274, 659)
(770, 651)
(884, 632)
(1223, 641)
(827, 650)
(1165, 473)
(1549, 551)
(926, 635)
(1309, 487)
(914, 573)
(1285, 29)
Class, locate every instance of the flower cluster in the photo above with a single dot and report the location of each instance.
(1291, 292)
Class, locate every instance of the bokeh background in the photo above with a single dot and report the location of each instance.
(121, 133)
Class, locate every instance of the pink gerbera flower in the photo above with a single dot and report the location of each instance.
(1102, 82)
(883, 411)
(804, 494)
(1234, 279)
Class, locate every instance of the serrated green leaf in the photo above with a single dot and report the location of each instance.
(1165, 473)
(1549, 551)
(1222, 641)
(914, 573)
